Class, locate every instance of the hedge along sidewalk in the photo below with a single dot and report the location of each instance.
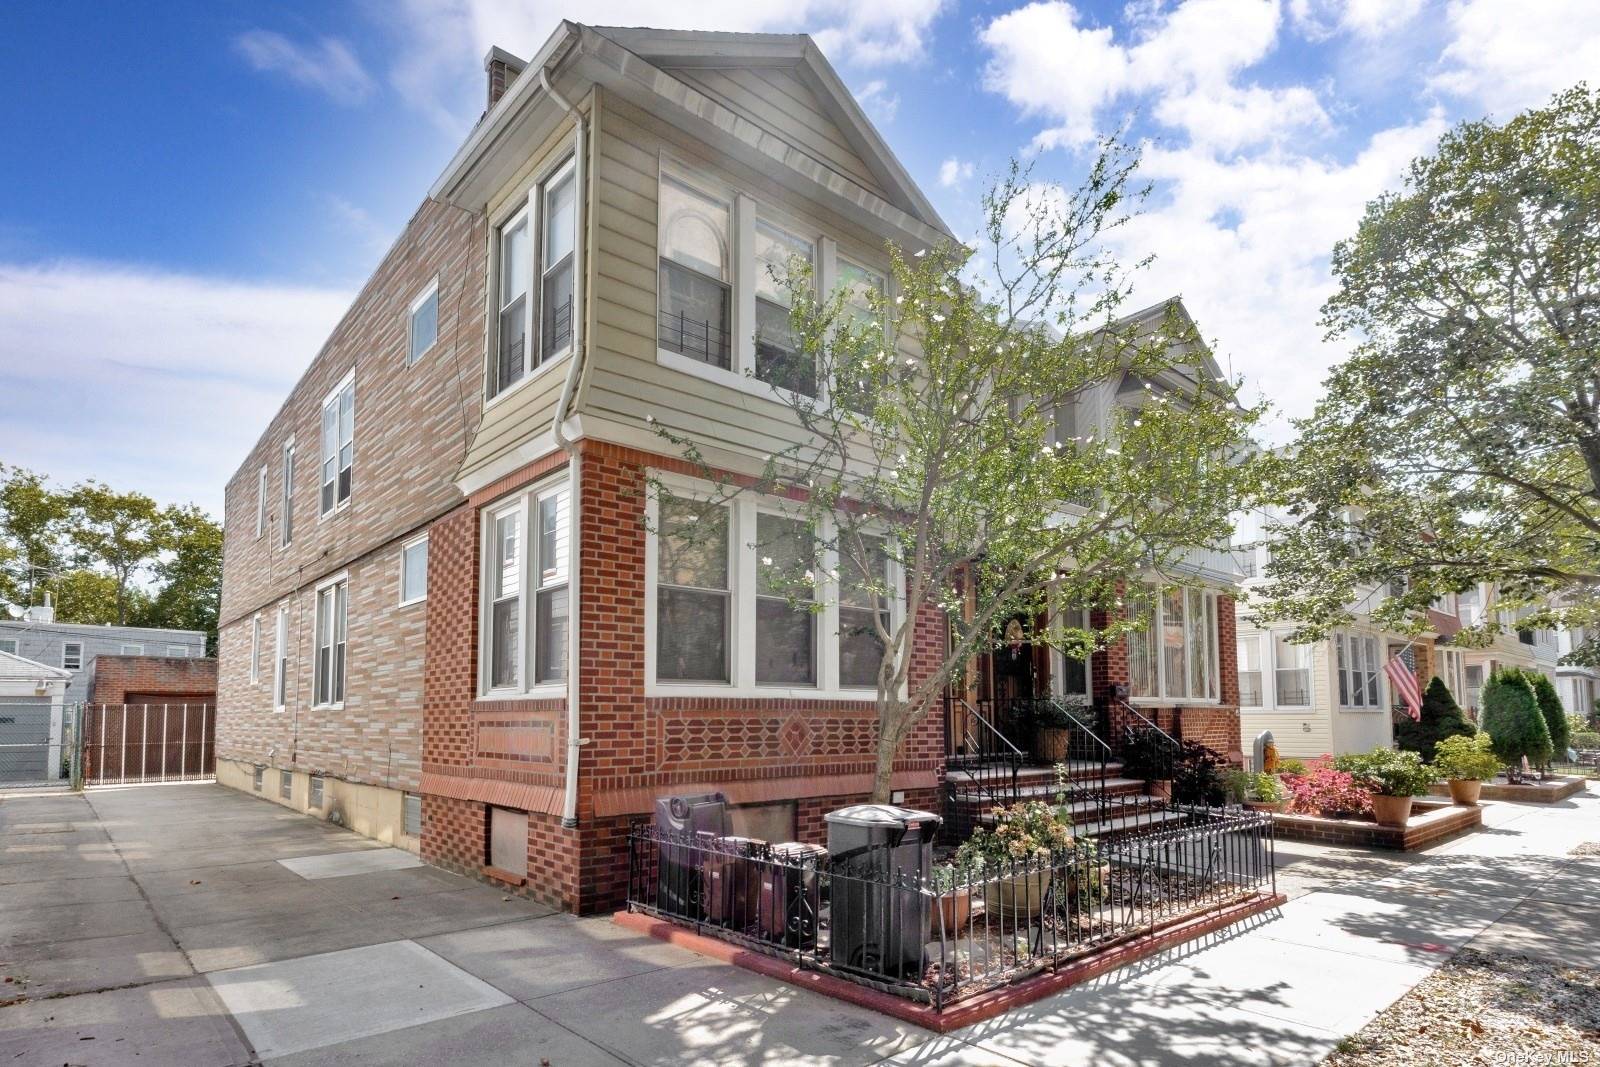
(1289, 989)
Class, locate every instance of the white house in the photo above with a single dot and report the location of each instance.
(32, 717)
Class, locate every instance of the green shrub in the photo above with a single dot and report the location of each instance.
(1511, 716)
(1466, 758)
(1441, 718)
(1291, 766)
(1387, 772)
(1242, 785)
(1586, 741)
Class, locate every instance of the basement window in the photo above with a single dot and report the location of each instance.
(285, 784)
(411, 815)
(316, 791)
(255, 779)
(508, 841)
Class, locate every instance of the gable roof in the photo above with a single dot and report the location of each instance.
(15, 668)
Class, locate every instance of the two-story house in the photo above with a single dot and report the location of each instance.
(460, 598)
(1578, 685)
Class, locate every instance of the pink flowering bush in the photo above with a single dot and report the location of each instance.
(1322, 790)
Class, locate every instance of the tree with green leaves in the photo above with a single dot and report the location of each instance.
(33, 520)
(1441, 717)
(933, 461)
(121, 532)
(1460, 442)
(1511, 717)
(1555, 716)
(189, 572)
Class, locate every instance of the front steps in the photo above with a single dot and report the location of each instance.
(1124, 809)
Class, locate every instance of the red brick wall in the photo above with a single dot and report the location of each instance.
(115, 678)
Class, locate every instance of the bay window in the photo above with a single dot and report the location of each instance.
(331, 619)
(526, 608)
(779, 360)
(692, 591)
(338, 444)
(560, 198)
(1250, 673)
(1356, 664)
(696, 274)
(536, 276)
(512, 305)
(1292, 677)
(1173, 656)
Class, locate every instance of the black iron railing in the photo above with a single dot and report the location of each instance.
(942, 937)
(698, 339)
(1149, 751)
(982, 769)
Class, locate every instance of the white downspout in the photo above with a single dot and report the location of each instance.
(569, 807)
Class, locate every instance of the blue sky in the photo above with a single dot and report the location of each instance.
(195, 190)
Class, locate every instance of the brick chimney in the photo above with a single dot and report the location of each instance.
(503, 68)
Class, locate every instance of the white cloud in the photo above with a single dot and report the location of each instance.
(147, 380)
(1050, 62)
(1504, 62)
(328, 65)
(954, 172)
(1368, 19)
(440, 43)
(877, 101)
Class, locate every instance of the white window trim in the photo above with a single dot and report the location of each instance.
(342, 576)
(9, 645)
(261, 501)
(1309, 668)
(1058, 662)
(71, 644)
(742, 597)
(348, 381)
(1159, 701)
(280, 663)
(524, 502)
(255, 649)
(1267, 678)
(289, 460)
(431, 289)
(420, 539)
(529, 207)
(1381, 648)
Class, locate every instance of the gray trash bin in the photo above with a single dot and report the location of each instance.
(680, 883)
(878, 856)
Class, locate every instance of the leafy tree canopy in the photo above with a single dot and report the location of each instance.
(1460, 443)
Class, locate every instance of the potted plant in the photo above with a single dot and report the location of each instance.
(1466, 763)
(1148, 756)
(952, 887)
(1017, 855)
(1052, 731)
(1393, 778)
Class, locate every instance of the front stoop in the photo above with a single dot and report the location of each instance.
(1431, 822)
(969, 1010)
(1550, 791)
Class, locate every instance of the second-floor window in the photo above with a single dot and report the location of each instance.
(288, 493)
(331, 619)
(261, 501)
(72, 656)
(422, 324)
(696, 274)
(779, 360)
(338, 444)
(536, 281)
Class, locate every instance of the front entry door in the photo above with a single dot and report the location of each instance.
(1013, 664)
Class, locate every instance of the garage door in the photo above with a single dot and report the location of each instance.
(25, 741)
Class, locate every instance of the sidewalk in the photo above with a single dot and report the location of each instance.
(196, 925)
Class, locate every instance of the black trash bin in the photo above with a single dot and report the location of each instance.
(879, 856)
(680, 881)
(791, 895)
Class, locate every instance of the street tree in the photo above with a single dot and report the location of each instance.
(33, 518)
(121, 532)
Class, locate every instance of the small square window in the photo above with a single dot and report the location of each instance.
(131, 650)
(8, 644)
(423, 324)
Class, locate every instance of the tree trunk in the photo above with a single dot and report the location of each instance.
(888, 745)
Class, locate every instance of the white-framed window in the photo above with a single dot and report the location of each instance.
(414, 571)
(1252, 677)
(1173, 657)
(338, 444)
(535, 271)
(526, 625)
(255, 649)
(8, 644)
(261, 501)
(285, 785)
(1449, 664)
(696, 271)
(779, 360)
(744, 597)
(178, 651)
(1071, 676)
(422, 323)
(131, 650)
(72, 656)
(287, 503)
(1356, 666)
(1292, 673)
(280, 660)
(333, 604)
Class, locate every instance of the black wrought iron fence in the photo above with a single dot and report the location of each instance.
(952, 933)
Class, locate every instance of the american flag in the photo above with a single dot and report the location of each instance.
(1405, 685)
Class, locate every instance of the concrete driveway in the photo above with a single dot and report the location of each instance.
(193, 924)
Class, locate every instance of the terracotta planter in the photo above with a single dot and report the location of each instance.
(1276, 807)
(955, 907)
(1159, 790)
(1017, 897)
(1391, 811)
(1051, 744)
(1465, 791)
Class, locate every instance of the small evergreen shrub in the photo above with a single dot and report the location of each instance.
(1197, 778)
(1441, 718)
(1555, 716)
(1466, 758)
(1291, 766)
(1511, 717)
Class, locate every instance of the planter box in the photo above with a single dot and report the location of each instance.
(1431, 822)
(1548, 791)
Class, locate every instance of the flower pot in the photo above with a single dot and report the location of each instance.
(1276, 807)
(1465, 791)
(1159, 790)
(955, 906)
(1391, 811)
(1018, 897)
(1050, 744)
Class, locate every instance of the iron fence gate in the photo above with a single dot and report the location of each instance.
(37, 742)
(125, 743)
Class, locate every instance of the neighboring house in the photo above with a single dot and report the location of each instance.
(1511, 646)
(461, 618)
(1332, 696)
(33, 699)
(74, 647)
(1578, 686)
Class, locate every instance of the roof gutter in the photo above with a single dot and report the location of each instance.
(569, 807)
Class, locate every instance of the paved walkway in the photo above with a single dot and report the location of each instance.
(195, 925)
